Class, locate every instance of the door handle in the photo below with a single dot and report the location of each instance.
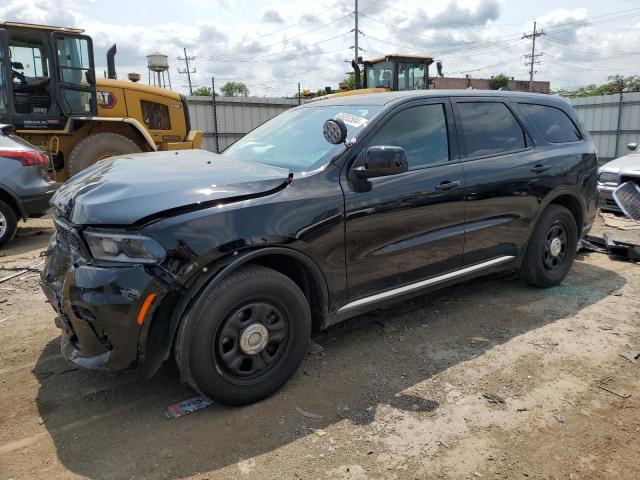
(448, 185)
(540, 168)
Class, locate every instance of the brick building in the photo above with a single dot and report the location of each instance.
(442, 83)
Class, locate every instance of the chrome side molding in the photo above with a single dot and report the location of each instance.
(424, 283)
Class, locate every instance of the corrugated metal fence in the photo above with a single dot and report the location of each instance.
(612, 120)
(235, 116)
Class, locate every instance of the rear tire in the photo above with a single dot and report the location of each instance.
(97, 147)
(245, 337)
(551, 249)
(8, 223)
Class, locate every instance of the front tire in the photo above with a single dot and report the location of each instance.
(8, 223)
(551, 249)
(97, 147)
(245, 337)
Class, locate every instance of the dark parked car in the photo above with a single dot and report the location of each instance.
(230, 261)
(25, 186)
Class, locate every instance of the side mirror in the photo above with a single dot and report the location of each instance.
(381, 161)
(334, 131)
(90, 76)
(632, 146)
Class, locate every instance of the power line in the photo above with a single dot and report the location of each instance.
(233, 56)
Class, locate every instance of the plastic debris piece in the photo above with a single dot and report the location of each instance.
(493, 398)
(306, 414)
(187, 406)
(631, 356)
(314, 348)
(608, 388)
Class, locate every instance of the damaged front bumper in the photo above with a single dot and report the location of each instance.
(98, 306)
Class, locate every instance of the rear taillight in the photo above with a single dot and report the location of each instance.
(27, 157)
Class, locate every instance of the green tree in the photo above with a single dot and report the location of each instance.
(350, 81)
(615, 84)
(235, 89)
(202, 91)
(499, 82)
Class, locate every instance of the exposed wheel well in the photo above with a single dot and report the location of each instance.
(572, 204)
(9, 200)
(302, 276)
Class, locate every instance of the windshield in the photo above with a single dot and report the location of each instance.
(294, 139)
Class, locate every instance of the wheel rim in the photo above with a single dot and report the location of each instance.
(3, 225)
(555, 247)
(251, 341)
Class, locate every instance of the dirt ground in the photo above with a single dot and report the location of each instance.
(396, 394)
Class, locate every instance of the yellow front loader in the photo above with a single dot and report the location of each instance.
(50, 93)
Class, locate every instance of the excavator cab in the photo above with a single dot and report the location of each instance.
(397, 72)
(47, 76)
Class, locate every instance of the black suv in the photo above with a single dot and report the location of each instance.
(327, 211)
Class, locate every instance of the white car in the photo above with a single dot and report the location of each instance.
(616, 172)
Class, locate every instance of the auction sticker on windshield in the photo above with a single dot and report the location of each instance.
(353, 120)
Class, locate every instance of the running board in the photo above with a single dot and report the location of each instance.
(425, 283)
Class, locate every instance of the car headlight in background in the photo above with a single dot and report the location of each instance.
(120, 247)
(607, 177)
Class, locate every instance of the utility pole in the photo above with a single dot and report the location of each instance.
(187, 70)
(532, 57)
(355, 32)
(215, 113)
(298, 94)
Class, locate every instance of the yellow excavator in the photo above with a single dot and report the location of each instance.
(390, 73)
(50, 94)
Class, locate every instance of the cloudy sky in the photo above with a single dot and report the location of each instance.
(272, 45)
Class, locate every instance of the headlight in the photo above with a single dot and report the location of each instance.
(608, 177)
(118, 247)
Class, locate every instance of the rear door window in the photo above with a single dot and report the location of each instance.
(490, 128)
(555, 125)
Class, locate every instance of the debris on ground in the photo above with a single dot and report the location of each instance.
(604, 385)
(314, 348)
(621, 223)
(615, 248)
(631, 356)
(306, 414)
(443, 443)
(476, 340)
(187, 406)
(558, 417)
(493, 398)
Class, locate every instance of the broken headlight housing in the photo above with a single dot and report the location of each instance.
(608, 177)
(121, 247)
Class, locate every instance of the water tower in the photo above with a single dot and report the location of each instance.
(158, 63)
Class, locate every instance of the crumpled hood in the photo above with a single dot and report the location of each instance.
(123, 190)
(628, 163)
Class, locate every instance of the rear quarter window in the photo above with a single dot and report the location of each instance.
(555, 125)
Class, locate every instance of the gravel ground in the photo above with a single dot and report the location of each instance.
(487, 379)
